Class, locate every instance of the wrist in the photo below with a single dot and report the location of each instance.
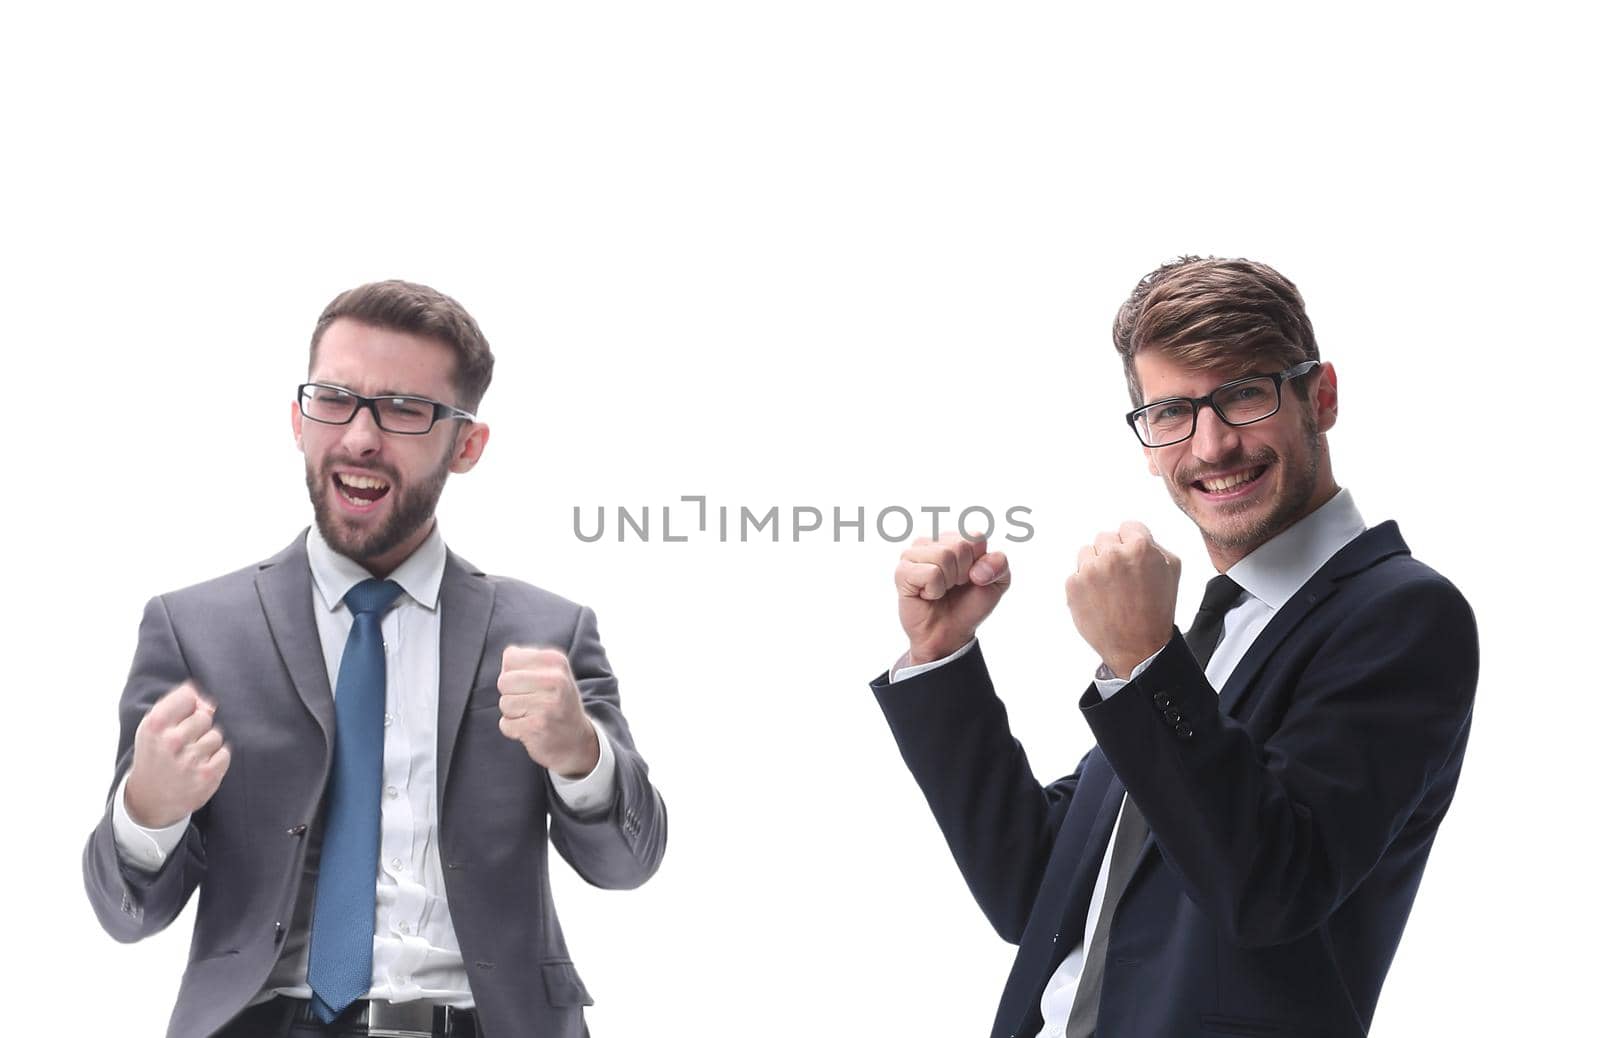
(142, 813)
(927, 652)
(1121, 667)
(1123, 663)
(584, 761)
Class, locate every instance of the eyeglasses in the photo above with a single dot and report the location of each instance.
(1254, 398)
(407, 415)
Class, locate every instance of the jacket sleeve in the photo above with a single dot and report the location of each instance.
(1269, 839)
(621, 847)
(999, 822)
(130, 902)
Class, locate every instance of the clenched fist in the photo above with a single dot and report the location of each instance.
(540, 707)
(947, 588)
(1123, 596)
(179, 759)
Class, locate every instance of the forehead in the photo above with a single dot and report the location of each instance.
(1160, 376)
(374, 361)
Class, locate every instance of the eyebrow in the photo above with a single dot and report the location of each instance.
(1213, 389)
(381, 392)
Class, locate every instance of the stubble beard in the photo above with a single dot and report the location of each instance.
(1293, 502)
(413, 508)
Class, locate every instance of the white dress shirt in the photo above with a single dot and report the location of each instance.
(1269, 577)
(415, 953)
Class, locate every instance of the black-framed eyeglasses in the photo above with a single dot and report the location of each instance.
(1253, 398)
(406, 415)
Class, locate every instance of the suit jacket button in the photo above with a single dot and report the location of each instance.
(1172, 715)
(1162, 700)
(1183, 730)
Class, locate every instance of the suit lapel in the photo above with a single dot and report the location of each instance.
(466, 599)
(283, 583)
(1105, 821)
(1367, 550)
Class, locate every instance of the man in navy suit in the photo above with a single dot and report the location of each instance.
(1239, 852)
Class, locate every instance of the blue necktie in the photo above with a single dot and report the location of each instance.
(341, 928)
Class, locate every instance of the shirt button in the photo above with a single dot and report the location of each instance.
(404, 928)
(399, 866)
(388, 719)
(391, 792)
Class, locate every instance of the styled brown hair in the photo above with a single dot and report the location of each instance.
(403, 306)
(1215, 313)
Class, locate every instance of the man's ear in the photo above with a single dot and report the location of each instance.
(1325, 397)
(469, 448)
(294, 423)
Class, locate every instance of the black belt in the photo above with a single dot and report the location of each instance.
(292, 1018)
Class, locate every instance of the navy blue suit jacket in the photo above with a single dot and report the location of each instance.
(1291, 814)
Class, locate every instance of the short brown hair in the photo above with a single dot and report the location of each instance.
(404, 306)
(1215, 313)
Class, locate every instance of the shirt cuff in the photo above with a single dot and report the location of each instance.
(900, 673)
(594, 791)
(138, 846)
(1108, 684)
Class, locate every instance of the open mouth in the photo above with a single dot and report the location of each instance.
(360, 491)
(1233, 484)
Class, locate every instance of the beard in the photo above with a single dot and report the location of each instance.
(1293, 502)
(411, 510)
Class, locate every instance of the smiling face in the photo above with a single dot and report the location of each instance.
(1243, 485)
(374, 492)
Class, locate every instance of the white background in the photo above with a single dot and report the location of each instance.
(853, 254)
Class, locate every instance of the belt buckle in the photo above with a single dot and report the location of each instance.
(399, 1019)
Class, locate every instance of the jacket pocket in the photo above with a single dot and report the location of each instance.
(1244, 1027)
(562, 985)
(211, 956)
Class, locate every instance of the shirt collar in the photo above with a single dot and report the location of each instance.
(1280, 567)
(419, 575)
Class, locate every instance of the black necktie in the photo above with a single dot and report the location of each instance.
(1203, 637)
(1205, 634)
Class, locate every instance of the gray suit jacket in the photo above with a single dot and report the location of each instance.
(249, 640)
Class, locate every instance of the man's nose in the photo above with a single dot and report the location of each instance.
(1214, 440)
(362, 437)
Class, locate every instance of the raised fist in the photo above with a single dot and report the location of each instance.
(540, 707)
(179, 759)
(947, 588)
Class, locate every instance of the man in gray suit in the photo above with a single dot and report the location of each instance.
(402, 732)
